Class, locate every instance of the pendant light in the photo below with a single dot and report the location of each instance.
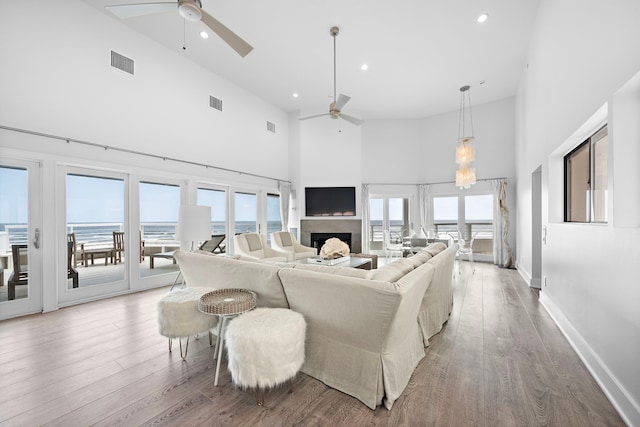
(465, 150)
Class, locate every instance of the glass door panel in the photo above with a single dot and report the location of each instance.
(159, 206)
(20, 254)
(478, 222)
(245, 213)
(445, 216)
(95, 230)
(217, 200)
(376, 223)
(398, 214)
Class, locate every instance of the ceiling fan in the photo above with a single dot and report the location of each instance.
(191, 10)
(335, 108)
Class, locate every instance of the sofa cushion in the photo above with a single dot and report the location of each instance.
(254, 242)
(219, 272)
(340, 271)
(420, 258)
(435, 248)
(393, 271)
(286, 239)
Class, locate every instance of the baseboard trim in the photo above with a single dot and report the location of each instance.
(523, 273)
(628, 409)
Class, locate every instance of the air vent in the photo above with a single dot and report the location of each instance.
(121, 62)
(271, 127)
(215, 103)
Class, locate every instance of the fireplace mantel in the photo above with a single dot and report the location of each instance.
(353, 226)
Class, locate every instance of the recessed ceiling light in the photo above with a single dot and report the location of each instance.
(295, 95)
(204, 35)
(364, 67)
(483, 17)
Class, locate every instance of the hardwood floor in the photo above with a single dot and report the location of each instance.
(500, 360)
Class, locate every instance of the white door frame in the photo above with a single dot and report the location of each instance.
(33, 302)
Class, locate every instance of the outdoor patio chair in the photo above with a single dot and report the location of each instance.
(72, 273)
(20, 274)
(212, 245)
(118, 246)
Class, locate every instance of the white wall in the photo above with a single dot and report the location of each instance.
(423, 150)
(56, 78)
(329, 156)
(581, 53)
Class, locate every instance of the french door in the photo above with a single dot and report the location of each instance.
(20, 238)
(388, 213)
(94, 244)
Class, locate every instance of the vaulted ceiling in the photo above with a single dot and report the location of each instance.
(419, 52)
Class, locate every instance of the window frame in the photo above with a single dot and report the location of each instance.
(594, 138)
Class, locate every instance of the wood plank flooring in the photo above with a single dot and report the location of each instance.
(499, 361)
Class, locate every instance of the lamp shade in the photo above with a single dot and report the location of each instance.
(194, 223)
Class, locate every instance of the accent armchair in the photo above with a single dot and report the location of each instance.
(285, 241)
(254, 245)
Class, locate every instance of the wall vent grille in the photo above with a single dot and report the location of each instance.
(215, 103)
(271, 127)
(122, 62)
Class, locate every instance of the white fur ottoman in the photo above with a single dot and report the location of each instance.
(179, 317)
(265, 348)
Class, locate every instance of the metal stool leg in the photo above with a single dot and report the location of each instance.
(221, 339)
(185, 350)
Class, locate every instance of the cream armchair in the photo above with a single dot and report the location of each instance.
(285, 241)
(254, 245)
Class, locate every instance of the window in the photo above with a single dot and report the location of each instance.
(445, 214)
(245, 212)
(585, 180)
(471, 215)
(217, 199)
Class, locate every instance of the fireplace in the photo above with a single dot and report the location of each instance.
(318, 239)
(349, 229)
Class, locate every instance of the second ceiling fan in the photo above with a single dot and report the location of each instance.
(335, 108)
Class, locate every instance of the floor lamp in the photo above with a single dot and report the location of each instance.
(194, 225)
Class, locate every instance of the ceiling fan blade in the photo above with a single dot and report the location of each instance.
(125, 11)
(313, 117)
(351, 119)
(232, 39)
(342, 100)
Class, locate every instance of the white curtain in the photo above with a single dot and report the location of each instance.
(285, 194)
(502, 253)
(366, 217)
(426, 221)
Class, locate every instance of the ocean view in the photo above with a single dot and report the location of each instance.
(103, 232)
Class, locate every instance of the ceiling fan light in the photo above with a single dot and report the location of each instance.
(189, 10)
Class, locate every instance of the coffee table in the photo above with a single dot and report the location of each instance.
(226, 304)
(354, 262)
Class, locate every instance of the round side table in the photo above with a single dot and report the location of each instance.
(226, 304)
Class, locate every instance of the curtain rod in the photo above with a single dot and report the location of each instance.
(428, 183)
(139, 153)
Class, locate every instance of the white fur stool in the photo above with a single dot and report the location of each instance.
(179, 317)
(265, 348)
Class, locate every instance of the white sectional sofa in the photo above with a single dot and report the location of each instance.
(367, 329)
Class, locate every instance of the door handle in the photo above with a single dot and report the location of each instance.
(36, 239)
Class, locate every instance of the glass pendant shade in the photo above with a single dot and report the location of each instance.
(465, 152)
(465, 177)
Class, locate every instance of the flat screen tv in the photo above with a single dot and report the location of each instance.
(330, 201)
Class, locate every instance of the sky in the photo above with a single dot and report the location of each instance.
(101, 200)
(13, 196)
